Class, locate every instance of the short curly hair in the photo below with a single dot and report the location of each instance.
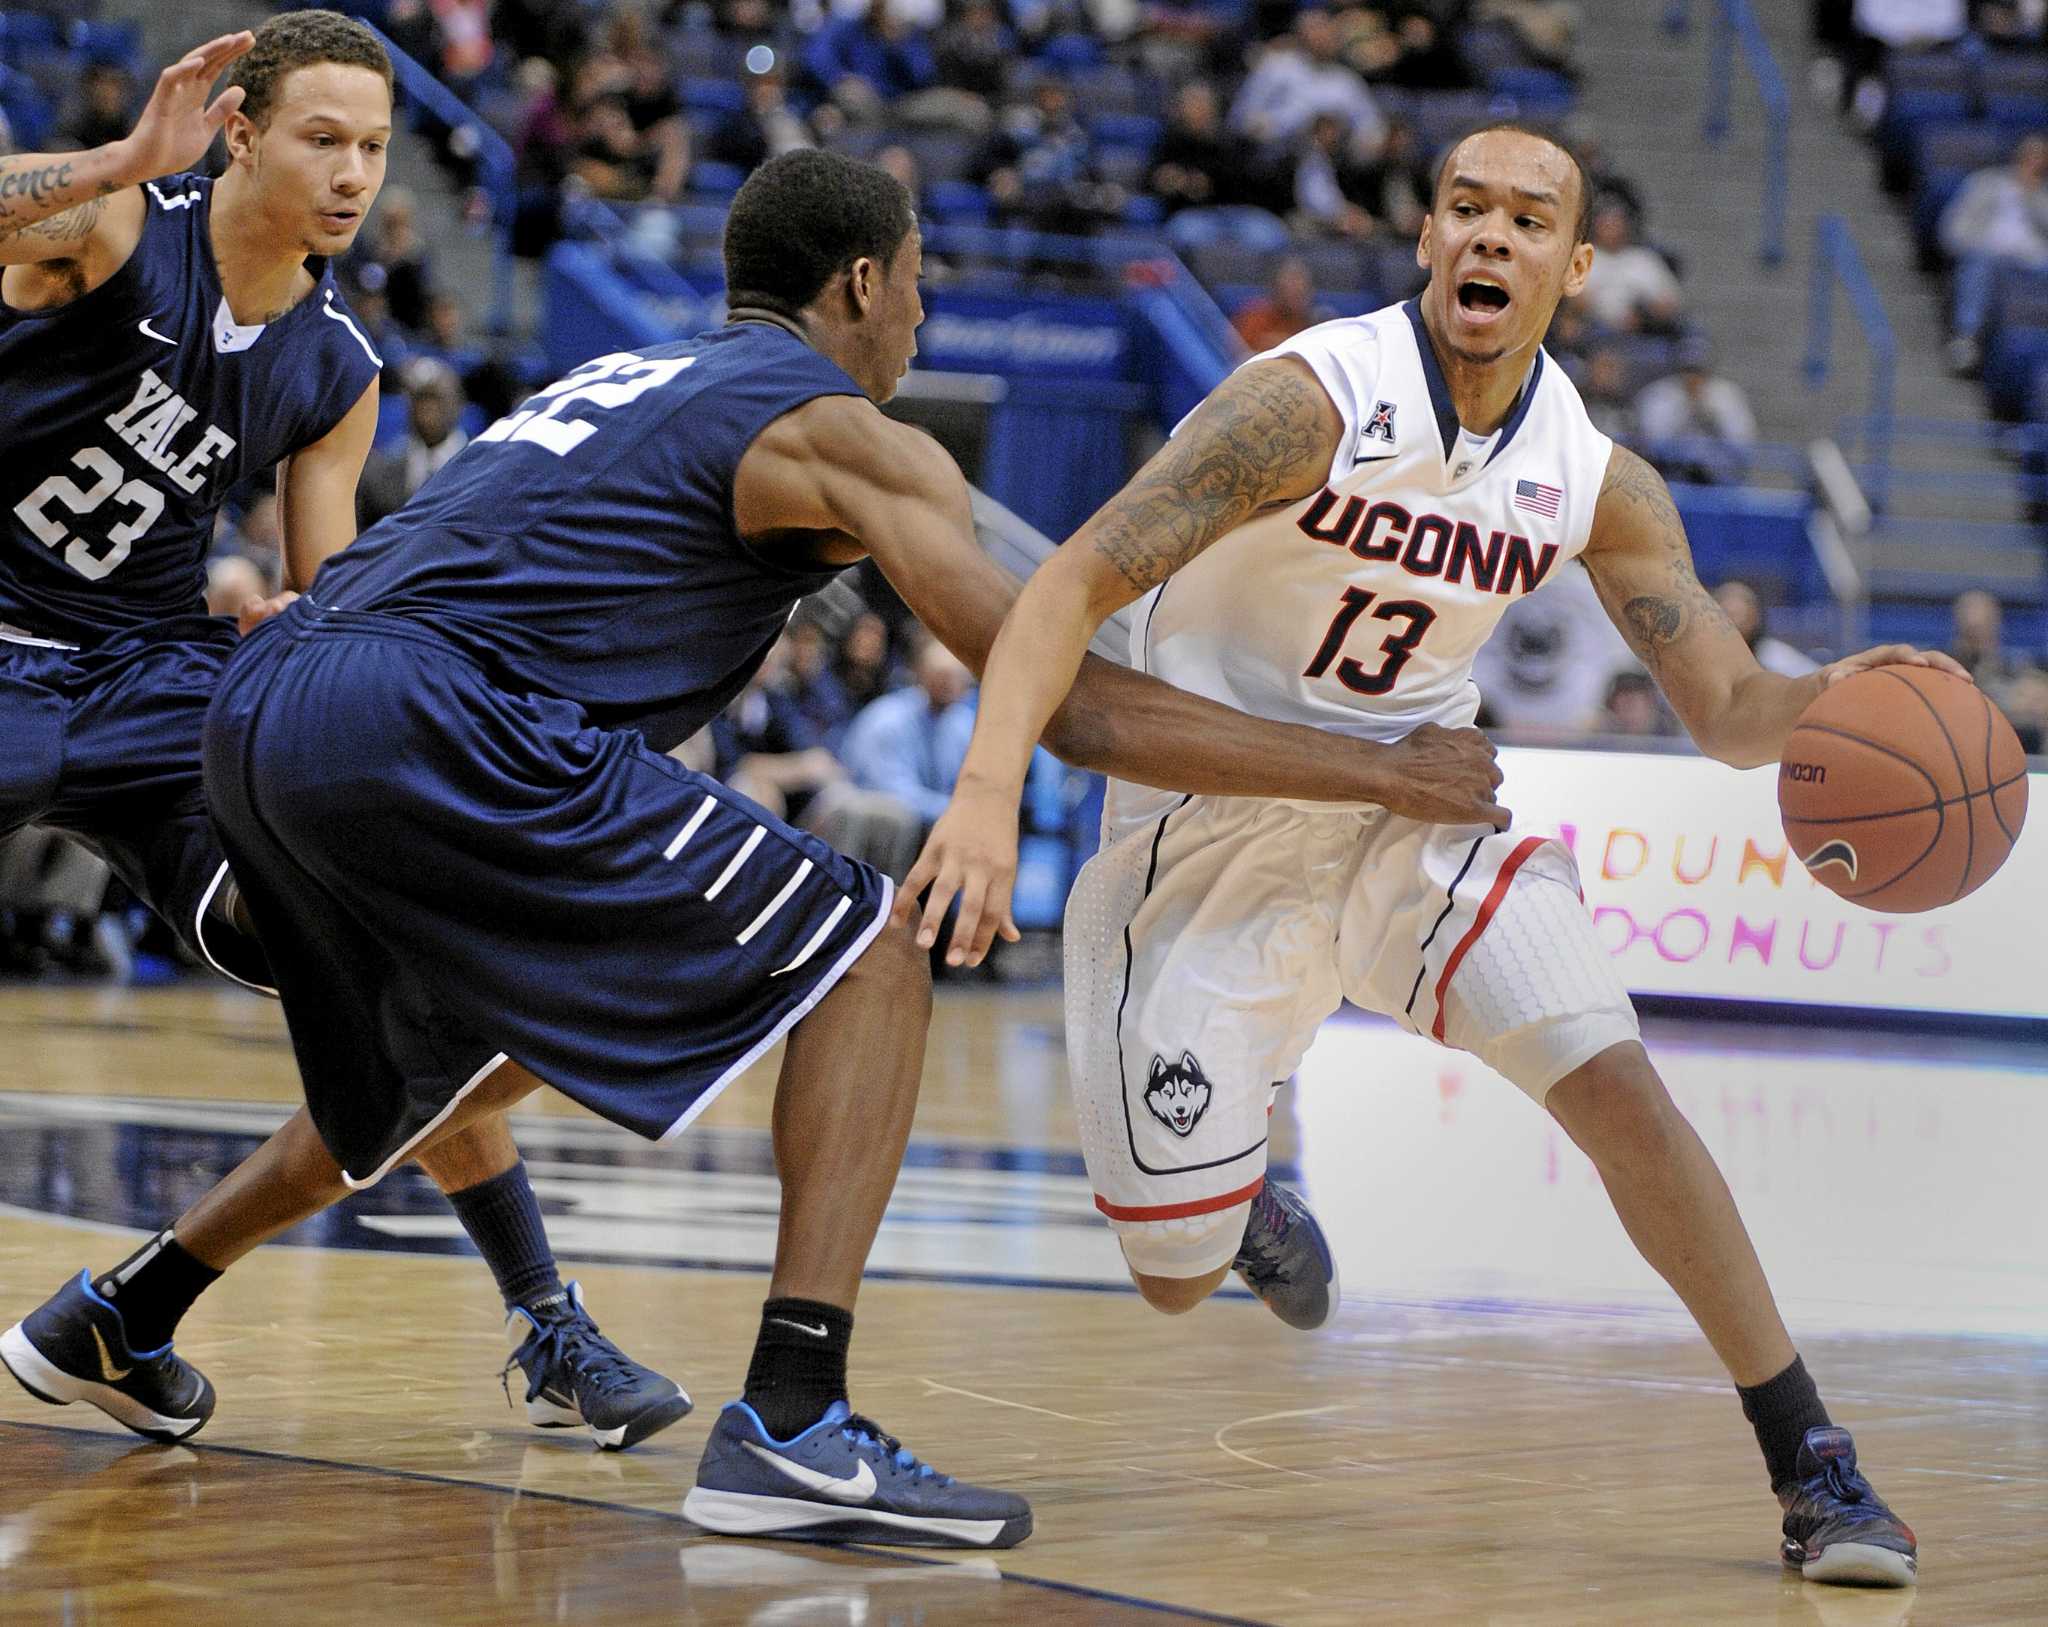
(300, 39)
(803, 218)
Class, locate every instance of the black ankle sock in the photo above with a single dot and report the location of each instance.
(153, 1288)
(1782, 1410)
(502, 1217)
(799, 1365)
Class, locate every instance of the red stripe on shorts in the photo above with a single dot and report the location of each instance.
(1180, 1211)
(1494, 894)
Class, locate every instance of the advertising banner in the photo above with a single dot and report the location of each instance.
(1695, 892)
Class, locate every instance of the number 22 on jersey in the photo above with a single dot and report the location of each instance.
(607, 381)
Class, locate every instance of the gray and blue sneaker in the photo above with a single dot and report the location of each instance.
(841, 1480)
(74, 1347)
(575, 1375)
(1286, 1260)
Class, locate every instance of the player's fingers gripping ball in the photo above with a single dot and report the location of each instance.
(1903, 788)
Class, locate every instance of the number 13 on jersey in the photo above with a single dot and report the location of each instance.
(1396, 647)
(607, 381)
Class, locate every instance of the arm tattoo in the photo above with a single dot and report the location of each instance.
(74, 225)
(1654, 621)
(1259, 439)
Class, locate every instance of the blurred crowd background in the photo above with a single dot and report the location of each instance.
(1286, 152)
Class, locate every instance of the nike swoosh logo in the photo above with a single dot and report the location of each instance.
(857, 1487)
(1375, 457)
(108, 1370)
(817, 1332)
(158, 337)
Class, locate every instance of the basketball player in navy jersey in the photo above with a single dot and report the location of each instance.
(439, 779)
(162, 337)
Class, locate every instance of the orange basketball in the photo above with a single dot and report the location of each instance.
(1903, 788)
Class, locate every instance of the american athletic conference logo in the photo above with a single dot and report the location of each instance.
(1177, 1093)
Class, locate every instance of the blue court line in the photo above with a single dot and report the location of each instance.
(894, 1555)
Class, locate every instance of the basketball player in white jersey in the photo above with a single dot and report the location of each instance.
(1342, 523)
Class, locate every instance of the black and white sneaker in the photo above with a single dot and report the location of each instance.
(74, 1347)
(576, 1376)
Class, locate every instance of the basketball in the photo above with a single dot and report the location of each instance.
(1902, 789)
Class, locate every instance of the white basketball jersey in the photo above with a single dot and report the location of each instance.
(1360, 609)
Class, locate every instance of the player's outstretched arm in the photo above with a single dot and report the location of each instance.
(54, 205)
(1642, 566)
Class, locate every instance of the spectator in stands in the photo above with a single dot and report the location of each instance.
(647, 82)
(1395, 184)
(902, 163)
(1039, 166)
(1744, 607)
(1630, 288)
(1411, 49)
(1875, 29)
(865, 667)
(2000, 218)
(766, 127)
(1694, 424)
(1322, 208)
(1631, 708)
(1978, 644)
(813, 687)
(1303, 75)
(2017, 25)
(105, 110)
(893, 743)
(394, 245)
(763, 748)
(1545, 29)
(1285, 309)
(255, 536)
(541, 30)
(433, 399)
(1604, 390)
(974, 52)
(869, 58)
(1197, 164)
(233, 581)
(614, 160)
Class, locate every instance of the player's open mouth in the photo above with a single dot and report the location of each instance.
(1482, 301)
(340, 220)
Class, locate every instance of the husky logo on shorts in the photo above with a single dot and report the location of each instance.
(1178, 1094)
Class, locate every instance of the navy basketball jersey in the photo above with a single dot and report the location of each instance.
(584, 546)
(130, 413)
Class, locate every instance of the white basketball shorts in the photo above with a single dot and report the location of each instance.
(1211, 937)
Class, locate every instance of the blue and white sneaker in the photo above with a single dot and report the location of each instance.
(1837, 1528)
(841, 1480)
(575, 1375)
(1285, 1259)
(74, 1347)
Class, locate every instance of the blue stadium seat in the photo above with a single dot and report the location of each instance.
(714, 180)
(1126, 130)
(713, 95)
(1142, 209)
(957, 203)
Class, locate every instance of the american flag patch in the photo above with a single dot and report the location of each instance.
(1533, 494)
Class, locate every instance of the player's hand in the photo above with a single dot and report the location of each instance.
(1443, 777)
(178, 124)
(972, 854)
(1892, 655)
(257, 611)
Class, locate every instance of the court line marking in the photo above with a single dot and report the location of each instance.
(1021, 1406)
(1270, 1417)
(869, 1550)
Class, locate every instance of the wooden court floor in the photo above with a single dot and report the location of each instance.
(1431, 1458)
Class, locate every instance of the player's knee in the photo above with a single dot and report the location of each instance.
(894, 962)
(1176, 1296)
(1615, 1107)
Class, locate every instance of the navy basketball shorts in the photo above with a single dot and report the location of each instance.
(446, 874)
(103, 745)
